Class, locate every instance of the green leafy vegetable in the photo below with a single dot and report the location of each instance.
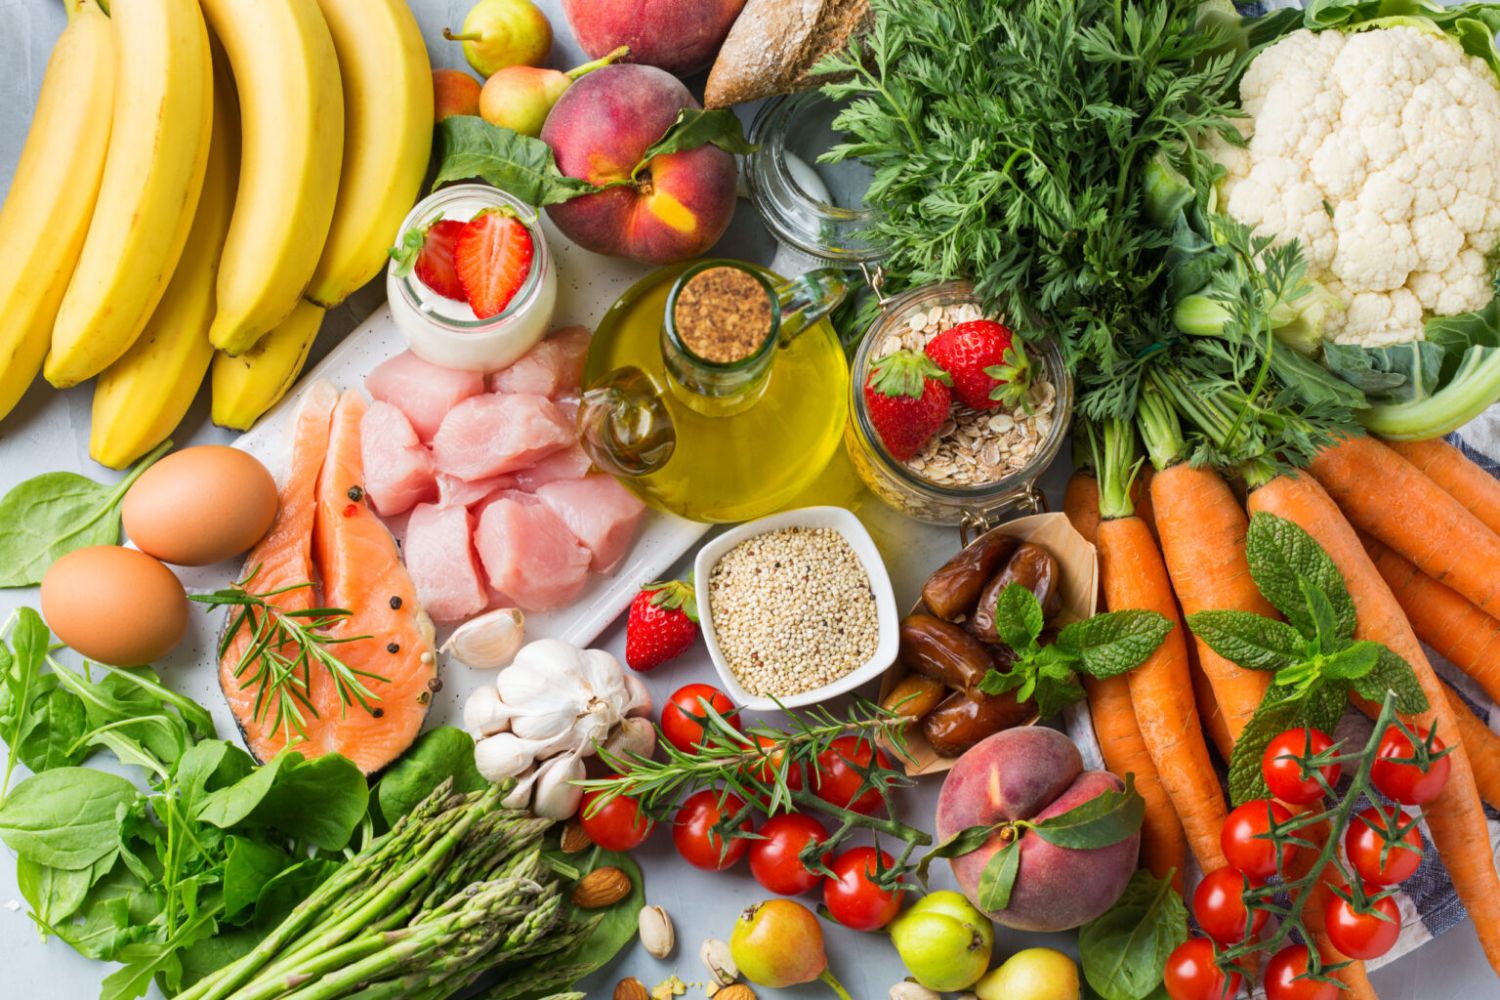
(1124, 952)
(65, 818)
(21, 661)
(45, 518)
(444, 753)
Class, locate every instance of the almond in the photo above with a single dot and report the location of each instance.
(574, 839)
(738, 991)
(631, 989)
(600, 888)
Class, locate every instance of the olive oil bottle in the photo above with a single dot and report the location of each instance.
(701, 411)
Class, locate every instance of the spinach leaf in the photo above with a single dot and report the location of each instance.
(45, 518)
(617, 925)
(117, 910)
(320, 801)
(54, 725)
(56, 893)
(21, 662)
(1124, 951)
(445, 752)
(67, 817)
(517, 164)
(249, 867)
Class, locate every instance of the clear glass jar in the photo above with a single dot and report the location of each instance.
(816, 209)
(922, 498)
(445, 331)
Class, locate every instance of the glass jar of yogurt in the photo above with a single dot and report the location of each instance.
(446, 331)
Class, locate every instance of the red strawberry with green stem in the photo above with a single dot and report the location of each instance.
(428, 251)
(493, 258)
(662, 624)
(907, 397)
(988, 365)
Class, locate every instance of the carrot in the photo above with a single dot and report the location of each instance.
(1209, 712)
(1456, 817)
(1483, 746)
(1202, 528)
(1163, 846)
(1451, 469)
(1161, 689)
(1385, 495)
(1465, 636)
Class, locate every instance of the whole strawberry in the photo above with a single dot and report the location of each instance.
(907, 397)
(989, 368)
(662, 624)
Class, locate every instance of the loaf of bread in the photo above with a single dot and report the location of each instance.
(775, 44)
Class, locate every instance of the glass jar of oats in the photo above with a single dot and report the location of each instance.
(982, 463)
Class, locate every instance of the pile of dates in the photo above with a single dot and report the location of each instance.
(949, 643)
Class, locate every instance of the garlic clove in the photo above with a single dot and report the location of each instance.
(519, 797)
(558, 661)
(502, 756)
(639, 703)
(606, 677)
(485, 714)
(531, 690)
(632, 736)
(593, 727)
(556, 796)
(489, 641)
(545, 724)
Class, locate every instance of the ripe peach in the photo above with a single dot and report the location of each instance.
(679, 36)
(676, 207)
(455, 93)
(1034, 773)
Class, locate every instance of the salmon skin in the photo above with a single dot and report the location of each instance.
(326, 533)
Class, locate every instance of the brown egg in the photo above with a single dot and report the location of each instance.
(200, 506)
(115, 605)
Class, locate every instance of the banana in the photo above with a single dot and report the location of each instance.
(140, 399)
(153, 173)
(247, 385)
(292, 112)
(45, 218)
(387, 139)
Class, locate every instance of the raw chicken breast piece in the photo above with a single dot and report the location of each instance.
(600, 512)
(570, 463)
(439, 555)
(553, 367)
(497, 433)
(423, 391)
(398, 467)
(455, 492)
(530, 555)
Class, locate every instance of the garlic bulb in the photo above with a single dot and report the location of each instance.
(485, 714)
(555, 795)
(489, 641)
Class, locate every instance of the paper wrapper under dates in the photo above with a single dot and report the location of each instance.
(1078, 573)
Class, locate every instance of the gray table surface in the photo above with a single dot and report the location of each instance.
(49, 430)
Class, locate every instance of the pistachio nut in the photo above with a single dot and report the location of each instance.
(719, 962)
(657, 934)
(909, 990)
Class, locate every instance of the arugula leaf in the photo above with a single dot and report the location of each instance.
(116, 910)
(1112, 643)
(65, 817)
(519, 165)
(1287, 564)
(1124, 951)
(1018, 617)
(998, 879)
(45, 518)
(1101, 821)
(1249, 640)
(695, 127)
(1273, 717)
(1392, 673)
(443, 753)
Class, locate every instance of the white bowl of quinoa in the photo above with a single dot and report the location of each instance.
(796, 608)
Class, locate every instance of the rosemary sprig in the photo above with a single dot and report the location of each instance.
(285, 647)
(756, 766)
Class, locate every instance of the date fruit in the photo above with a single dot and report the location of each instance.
(944, 652)
(914, 696)
(963, 720)
(1033, 568)
(954, 589)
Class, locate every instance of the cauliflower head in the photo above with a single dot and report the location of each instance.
(1380, 152)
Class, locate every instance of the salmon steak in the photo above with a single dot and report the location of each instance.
(369, 701)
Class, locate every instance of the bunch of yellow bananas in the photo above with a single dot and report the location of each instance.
(256, 166)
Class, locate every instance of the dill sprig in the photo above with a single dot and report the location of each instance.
(285, 647)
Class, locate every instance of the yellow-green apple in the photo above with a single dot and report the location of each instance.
(679, 36)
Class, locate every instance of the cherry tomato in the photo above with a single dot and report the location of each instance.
(1192, 975)
(853, 898)
(697, 841)
(770, 765)
(1283, 772)
(618, 825)
(1365, 843)
(681, 714)
(1407, 783)
(1219, 905)
(1243, 838)
(1362, 935)
(1282, 980)
(839, 774)
(776, 861)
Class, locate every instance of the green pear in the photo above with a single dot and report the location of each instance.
(500, 33)
(944, 941)
(1033, 974)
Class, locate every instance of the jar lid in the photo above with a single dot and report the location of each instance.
(815, 208)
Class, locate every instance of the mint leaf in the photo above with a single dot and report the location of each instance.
(1282, 555)
(999, 877)
(1352, 662)
(1110, 644)
(1018, 617)
(1324, 705)
(1124, 951)
(1101, 821)
(1392, 673)
(1273, 717)
(469, 147)
(1320, 611)
(1250, 640)
(695, 127)
(1043, 675)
